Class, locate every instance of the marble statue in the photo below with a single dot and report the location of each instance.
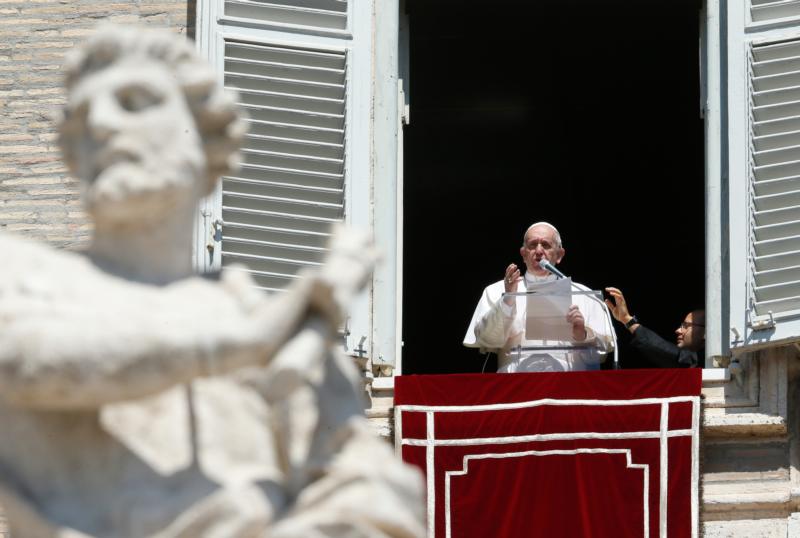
(138, 400)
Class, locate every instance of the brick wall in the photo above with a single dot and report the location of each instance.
(37, 197)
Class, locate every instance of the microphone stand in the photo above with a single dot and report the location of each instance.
(544, 264)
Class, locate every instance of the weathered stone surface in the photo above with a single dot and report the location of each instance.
(750, 481)
(139, 400)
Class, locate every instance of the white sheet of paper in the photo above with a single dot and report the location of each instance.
(546, 311)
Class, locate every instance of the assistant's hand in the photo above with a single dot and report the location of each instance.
(575, 318)
(619, 308)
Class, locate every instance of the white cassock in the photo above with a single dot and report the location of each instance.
(500, 328)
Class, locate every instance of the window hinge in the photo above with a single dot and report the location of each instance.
(762, 324)
(737, 337)
(216, 237)
(360, 351)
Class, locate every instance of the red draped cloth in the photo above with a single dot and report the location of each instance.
(573, 454)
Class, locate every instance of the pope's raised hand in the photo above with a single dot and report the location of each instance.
(511, 278)
(510, 282)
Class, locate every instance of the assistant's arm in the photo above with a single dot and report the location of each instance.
(660, 352)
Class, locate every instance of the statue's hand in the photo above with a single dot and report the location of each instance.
(346, 271)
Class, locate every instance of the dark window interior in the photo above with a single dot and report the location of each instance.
(581, 113)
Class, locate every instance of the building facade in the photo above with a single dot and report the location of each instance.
(324, 83)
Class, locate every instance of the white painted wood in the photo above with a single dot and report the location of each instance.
(716, 374)
(304, 71)
(386, 186)
(383, 383)
(716, 221)
(762, 89)
(359, 178)
(736, 87)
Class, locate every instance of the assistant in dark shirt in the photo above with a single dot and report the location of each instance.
(689, 349)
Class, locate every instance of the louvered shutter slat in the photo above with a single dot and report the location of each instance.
(322, 165)
(776, 186)
(284, 190)
(778, 292)
(290, 177)
(786, 79)
(782, 200)
(766, 10)
(298, 118)
(778, 231)
(776, 127)
(317, 76)
(304, 254)
(278, 209)
(279, 235)
(271, 172)
(297, 132)
(291, 102)
(772, 262)
(291, 206)
(776, 51)
(773, 216)
(252, 80)
(335, 5)
(779, 169)
(778, 276)
(779, 298)
(778, 66)
(283, 55)
(294, 146)
(327, 14)
(280, 175)
(776, 156)
(776, 246)
(774, 111)
(274, 219)
(782, 305)
(776, 141)
(782, 95)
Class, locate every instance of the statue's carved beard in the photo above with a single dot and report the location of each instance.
(136, 193)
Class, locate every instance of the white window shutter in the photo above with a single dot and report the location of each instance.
(318, 150)
(278, 209)
(763, 149)
(775, 178)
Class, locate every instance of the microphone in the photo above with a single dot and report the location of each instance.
(546, 265)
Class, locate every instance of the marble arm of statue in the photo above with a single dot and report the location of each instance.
(74, 337)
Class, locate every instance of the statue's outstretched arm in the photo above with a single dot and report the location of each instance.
(72, 336)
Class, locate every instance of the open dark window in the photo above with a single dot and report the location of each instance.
(585, 114)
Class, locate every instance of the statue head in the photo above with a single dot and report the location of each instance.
(146, 127)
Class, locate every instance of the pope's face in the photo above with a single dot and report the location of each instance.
(134, 140)
(540, 242)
